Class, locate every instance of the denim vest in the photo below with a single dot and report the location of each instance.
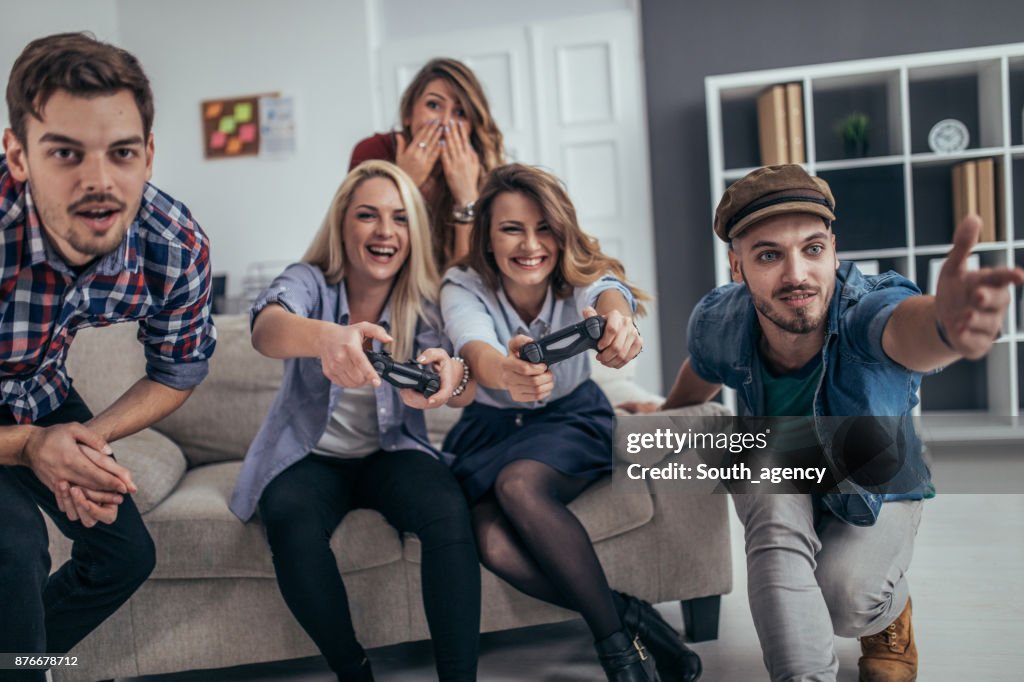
(858, 378)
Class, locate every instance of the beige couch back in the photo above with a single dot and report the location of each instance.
(224, 413)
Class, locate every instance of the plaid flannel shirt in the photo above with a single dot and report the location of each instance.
(159, 275)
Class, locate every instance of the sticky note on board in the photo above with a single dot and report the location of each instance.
(218, 140)
(214, 110)
(226, 125)
(247, 132)
(234, 146)
(243, 112)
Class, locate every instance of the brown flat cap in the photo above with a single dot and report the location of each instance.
(770, 191)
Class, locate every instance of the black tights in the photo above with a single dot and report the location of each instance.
(416, 493)
(528, 537)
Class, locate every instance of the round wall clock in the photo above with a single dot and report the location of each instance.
(947, 136)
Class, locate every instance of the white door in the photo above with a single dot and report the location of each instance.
(567, 95)
(500, 59)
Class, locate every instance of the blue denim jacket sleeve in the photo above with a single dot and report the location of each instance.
(699, 337)
(862, 326)
(297, 290)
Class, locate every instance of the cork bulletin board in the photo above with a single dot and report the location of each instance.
(231, 127)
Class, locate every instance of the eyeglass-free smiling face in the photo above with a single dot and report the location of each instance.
(788, 263)
(524, 246)
(375, 232)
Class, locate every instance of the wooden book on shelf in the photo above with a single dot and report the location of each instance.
(987, 199)
(965, 191)
(772, 131)
(1001, 210)
(795, 122)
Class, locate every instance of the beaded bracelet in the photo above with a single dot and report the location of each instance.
(465, 378)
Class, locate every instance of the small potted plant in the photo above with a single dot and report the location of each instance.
(854, 132)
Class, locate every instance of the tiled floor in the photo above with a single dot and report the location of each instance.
(967, 579)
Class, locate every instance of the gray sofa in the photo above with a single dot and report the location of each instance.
(212, 600)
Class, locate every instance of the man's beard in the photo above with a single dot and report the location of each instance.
(86, 242)
(97, 246)
(801, 323)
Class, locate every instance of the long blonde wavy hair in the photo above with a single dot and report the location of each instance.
(486, 140)
(416, 281)
(580, 260)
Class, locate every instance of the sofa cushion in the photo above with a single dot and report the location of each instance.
(104, 362)
(603, 512)
(156, 464)
(197, 536)
(619, 385)
(222, 416)
(439, 422)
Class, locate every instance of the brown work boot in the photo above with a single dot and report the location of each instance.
(891, 655)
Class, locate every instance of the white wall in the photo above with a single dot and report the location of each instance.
(401, 19)
(21, 22)
(317, 51)
(252, 209)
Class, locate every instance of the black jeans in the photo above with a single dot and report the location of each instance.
(51, 613)
(302, 507)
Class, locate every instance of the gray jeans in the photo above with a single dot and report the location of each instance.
(811, 576)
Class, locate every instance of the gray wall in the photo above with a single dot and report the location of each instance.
(686, 41)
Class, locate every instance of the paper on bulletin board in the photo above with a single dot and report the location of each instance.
(277, 127)
(230, 127)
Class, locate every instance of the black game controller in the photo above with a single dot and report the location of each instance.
(404, 374)
(565, 343)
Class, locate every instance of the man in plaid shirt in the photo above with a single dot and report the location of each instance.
(84, 241)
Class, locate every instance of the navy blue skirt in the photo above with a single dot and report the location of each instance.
(572, 435)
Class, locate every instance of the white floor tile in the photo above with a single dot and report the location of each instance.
(966, 580)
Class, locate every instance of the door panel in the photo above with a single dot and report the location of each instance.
(567, 95)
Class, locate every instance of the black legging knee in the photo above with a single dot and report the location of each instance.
(303, 506)
(529, 538)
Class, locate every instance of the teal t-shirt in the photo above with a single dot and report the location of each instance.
(792, 395)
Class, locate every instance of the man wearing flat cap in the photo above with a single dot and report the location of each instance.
(798, 333)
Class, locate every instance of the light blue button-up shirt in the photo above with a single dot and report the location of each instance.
(298, 417)
(472, 311)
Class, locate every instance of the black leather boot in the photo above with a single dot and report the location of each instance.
(624, 659)
(355, 673)
(675, 661)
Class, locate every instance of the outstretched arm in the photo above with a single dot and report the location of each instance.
(968, 308)
(621, 342)
(689, 389)
(524, 380)
(278, 333)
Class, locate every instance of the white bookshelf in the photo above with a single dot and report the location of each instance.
(894, 205)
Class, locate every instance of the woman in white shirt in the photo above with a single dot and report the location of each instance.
(337, 438)
(537, 436)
